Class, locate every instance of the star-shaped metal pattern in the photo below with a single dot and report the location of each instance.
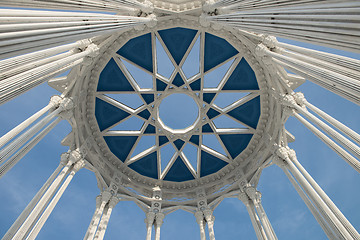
(194, 63)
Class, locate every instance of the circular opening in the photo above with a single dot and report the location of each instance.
(178, 111)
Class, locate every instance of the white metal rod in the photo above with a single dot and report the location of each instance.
(343, 128)
(40, 223)
(331, 87)
(25, 213)
(22, 139)
(346, 62)
(110, 6)
(15, 131)
(317, 200)
(14, 62)
(90, 234)
(39, 208)
(310, 205)
(351, 147)
(37, 82)
(27, 147)
(327, 200)
(336, 148)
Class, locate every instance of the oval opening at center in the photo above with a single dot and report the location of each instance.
(178, 111)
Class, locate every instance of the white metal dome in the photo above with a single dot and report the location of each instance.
(129, 74)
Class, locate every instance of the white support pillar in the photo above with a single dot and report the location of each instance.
(16, 85)
(159, 220)
(30, 221)
(324, 196)
(117, 6)
(341, 152)
(54, 102)
(149, 220)
(255, 197)
(105, 218)
(35, 231)
(210, 218)
(65, 105)
(23, 36)
(317, 213)
(25, 213)
(314, 196)
(90, 233)
(259, 231)
(199, 215)
(322, 22)
(340, 126)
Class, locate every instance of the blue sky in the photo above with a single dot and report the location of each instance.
(286, 211)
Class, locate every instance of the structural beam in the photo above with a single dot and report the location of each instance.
(334, 24)
(25, 31)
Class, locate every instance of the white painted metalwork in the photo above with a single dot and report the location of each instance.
(37, 45)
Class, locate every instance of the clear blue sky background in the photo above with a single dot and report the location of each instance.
(290, 217)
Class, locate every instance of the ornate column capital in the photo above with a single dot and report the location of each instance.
(199, 215)
(159, 218)
(203, 21)
(153, 20)
(208, 214)
(269, 41)
(98, 201)
(105, 196)
(251, 192)
(75, 156)
(83, 43)
(78, 165)
(64, 158)
(150, 217)
(55, 101)
(243, 197)
(113, 201)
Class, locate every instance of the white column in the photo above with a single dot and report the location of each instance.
(38, 226)
(118, 6)
(259, 231)
(321, 22)
(90, 234)
(336, 148)
(25, 213)
(313, 195)
(105, 218)
(15, 131)
(65, 105)
(255, 197)
(209, 217)
(149, 220)
(19, 141)
(22, 35)
(97, 207)
(13, 86)
(340, 126)
(316, 212)
(70, 158)
(200, 220)
(13, 160)
(159, 220)
(324, 196)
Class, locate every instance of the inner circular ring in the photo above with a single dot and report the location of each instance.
(178, 112)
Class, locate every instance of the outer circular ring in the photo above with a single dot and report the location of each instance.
(111, 165)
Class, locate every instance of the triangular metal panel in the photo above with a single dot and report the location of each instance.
(113, 79)
(120, 146)
(107, 114)
(177, 40)
(139, 51)
(146, 166)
